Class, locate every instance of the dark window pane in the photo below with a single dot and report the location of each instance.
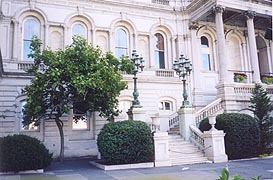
(161, 60)
(159, 51)
(167, 106)
(204, 41)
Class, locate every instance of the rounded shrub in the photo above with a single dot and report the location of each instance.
(22, 152)
(242, 137)
(126, 142)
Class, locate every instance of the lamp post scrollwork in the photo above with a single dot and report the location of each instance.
(183, 68)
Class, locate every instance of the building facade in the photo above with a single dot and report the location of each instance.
(221, 38)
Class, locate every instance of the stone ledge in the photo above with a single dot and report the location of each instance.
(122, 166)
(38, 171)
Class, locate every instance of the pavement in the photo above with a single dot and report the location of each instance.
(82, 170)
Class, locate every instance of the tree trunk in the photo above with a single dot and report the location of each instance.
(60, 127)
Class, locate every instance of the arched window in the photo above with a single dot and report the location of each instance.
(31, 28)
(206, 54)
(166, 105)
(159, 51)
(121, 43)
(79, 29)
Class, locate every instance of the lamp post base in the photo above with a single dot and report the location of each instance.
(137, 113)
(186, 104)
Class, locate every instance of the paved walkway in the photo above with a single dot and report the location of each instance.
(82, 170)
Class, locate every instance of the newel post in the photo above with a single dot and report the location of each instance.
(214, 143)
(161, 147)
(186, 118)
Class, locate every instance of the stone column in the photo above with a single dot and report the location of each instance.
(215, 144)
(186, 118)
(196, 62)
(161, 144)
(252, 46)
(225, 76)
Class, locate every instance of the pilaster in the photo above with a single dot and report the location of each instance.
(15, 40)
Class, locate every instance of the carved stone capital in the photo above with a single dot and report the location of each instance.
(250, 14)
(218, 8)
(193, 26)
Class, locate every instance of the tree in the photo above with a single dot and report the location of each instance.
(79, 78)
(261, 106)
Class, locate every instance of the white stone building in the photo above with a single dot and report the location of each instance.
(220, 37)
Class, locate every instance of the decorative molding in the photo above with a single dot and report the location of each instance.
(250, 14)
(193, 25)
(218, 8)
(32, 4)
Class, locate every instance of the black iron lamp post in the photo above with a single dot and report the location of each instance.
(183, 68)
(138, 67)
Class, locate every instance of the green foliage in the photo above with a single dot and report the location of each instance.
(225, 176)
(79, 76)
(126, 142)
(267, 79)
(261, 106)
(242, 137)
(21, 152)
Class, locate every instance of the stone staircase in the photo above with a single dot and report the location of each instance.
(184, 152)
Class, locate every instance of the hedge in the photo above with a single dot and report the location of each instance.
(22, 152)
(242, 137)
(126, 142)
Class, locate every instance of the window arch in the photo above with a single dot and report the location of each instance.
(80, 29)
(31, 27)
(159, 51)
(121, 46)
(206, 54)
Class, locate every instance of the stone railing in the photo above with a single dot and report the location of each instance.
(173, 120)
(197, 137)
(164, 2)
(209, 110)
(164, 73)
(245, 90)
(24, 66)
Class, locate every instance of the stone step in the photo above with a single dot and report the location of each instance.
(178, 155)
(189, 161)
(183, 152)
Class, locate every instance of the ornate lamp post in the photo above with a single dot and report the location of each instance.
(183, 68)
(138, 67)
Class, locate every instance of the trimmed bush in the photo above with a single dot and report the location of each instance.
(242, 137)
(126, 142)
(21, 152)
